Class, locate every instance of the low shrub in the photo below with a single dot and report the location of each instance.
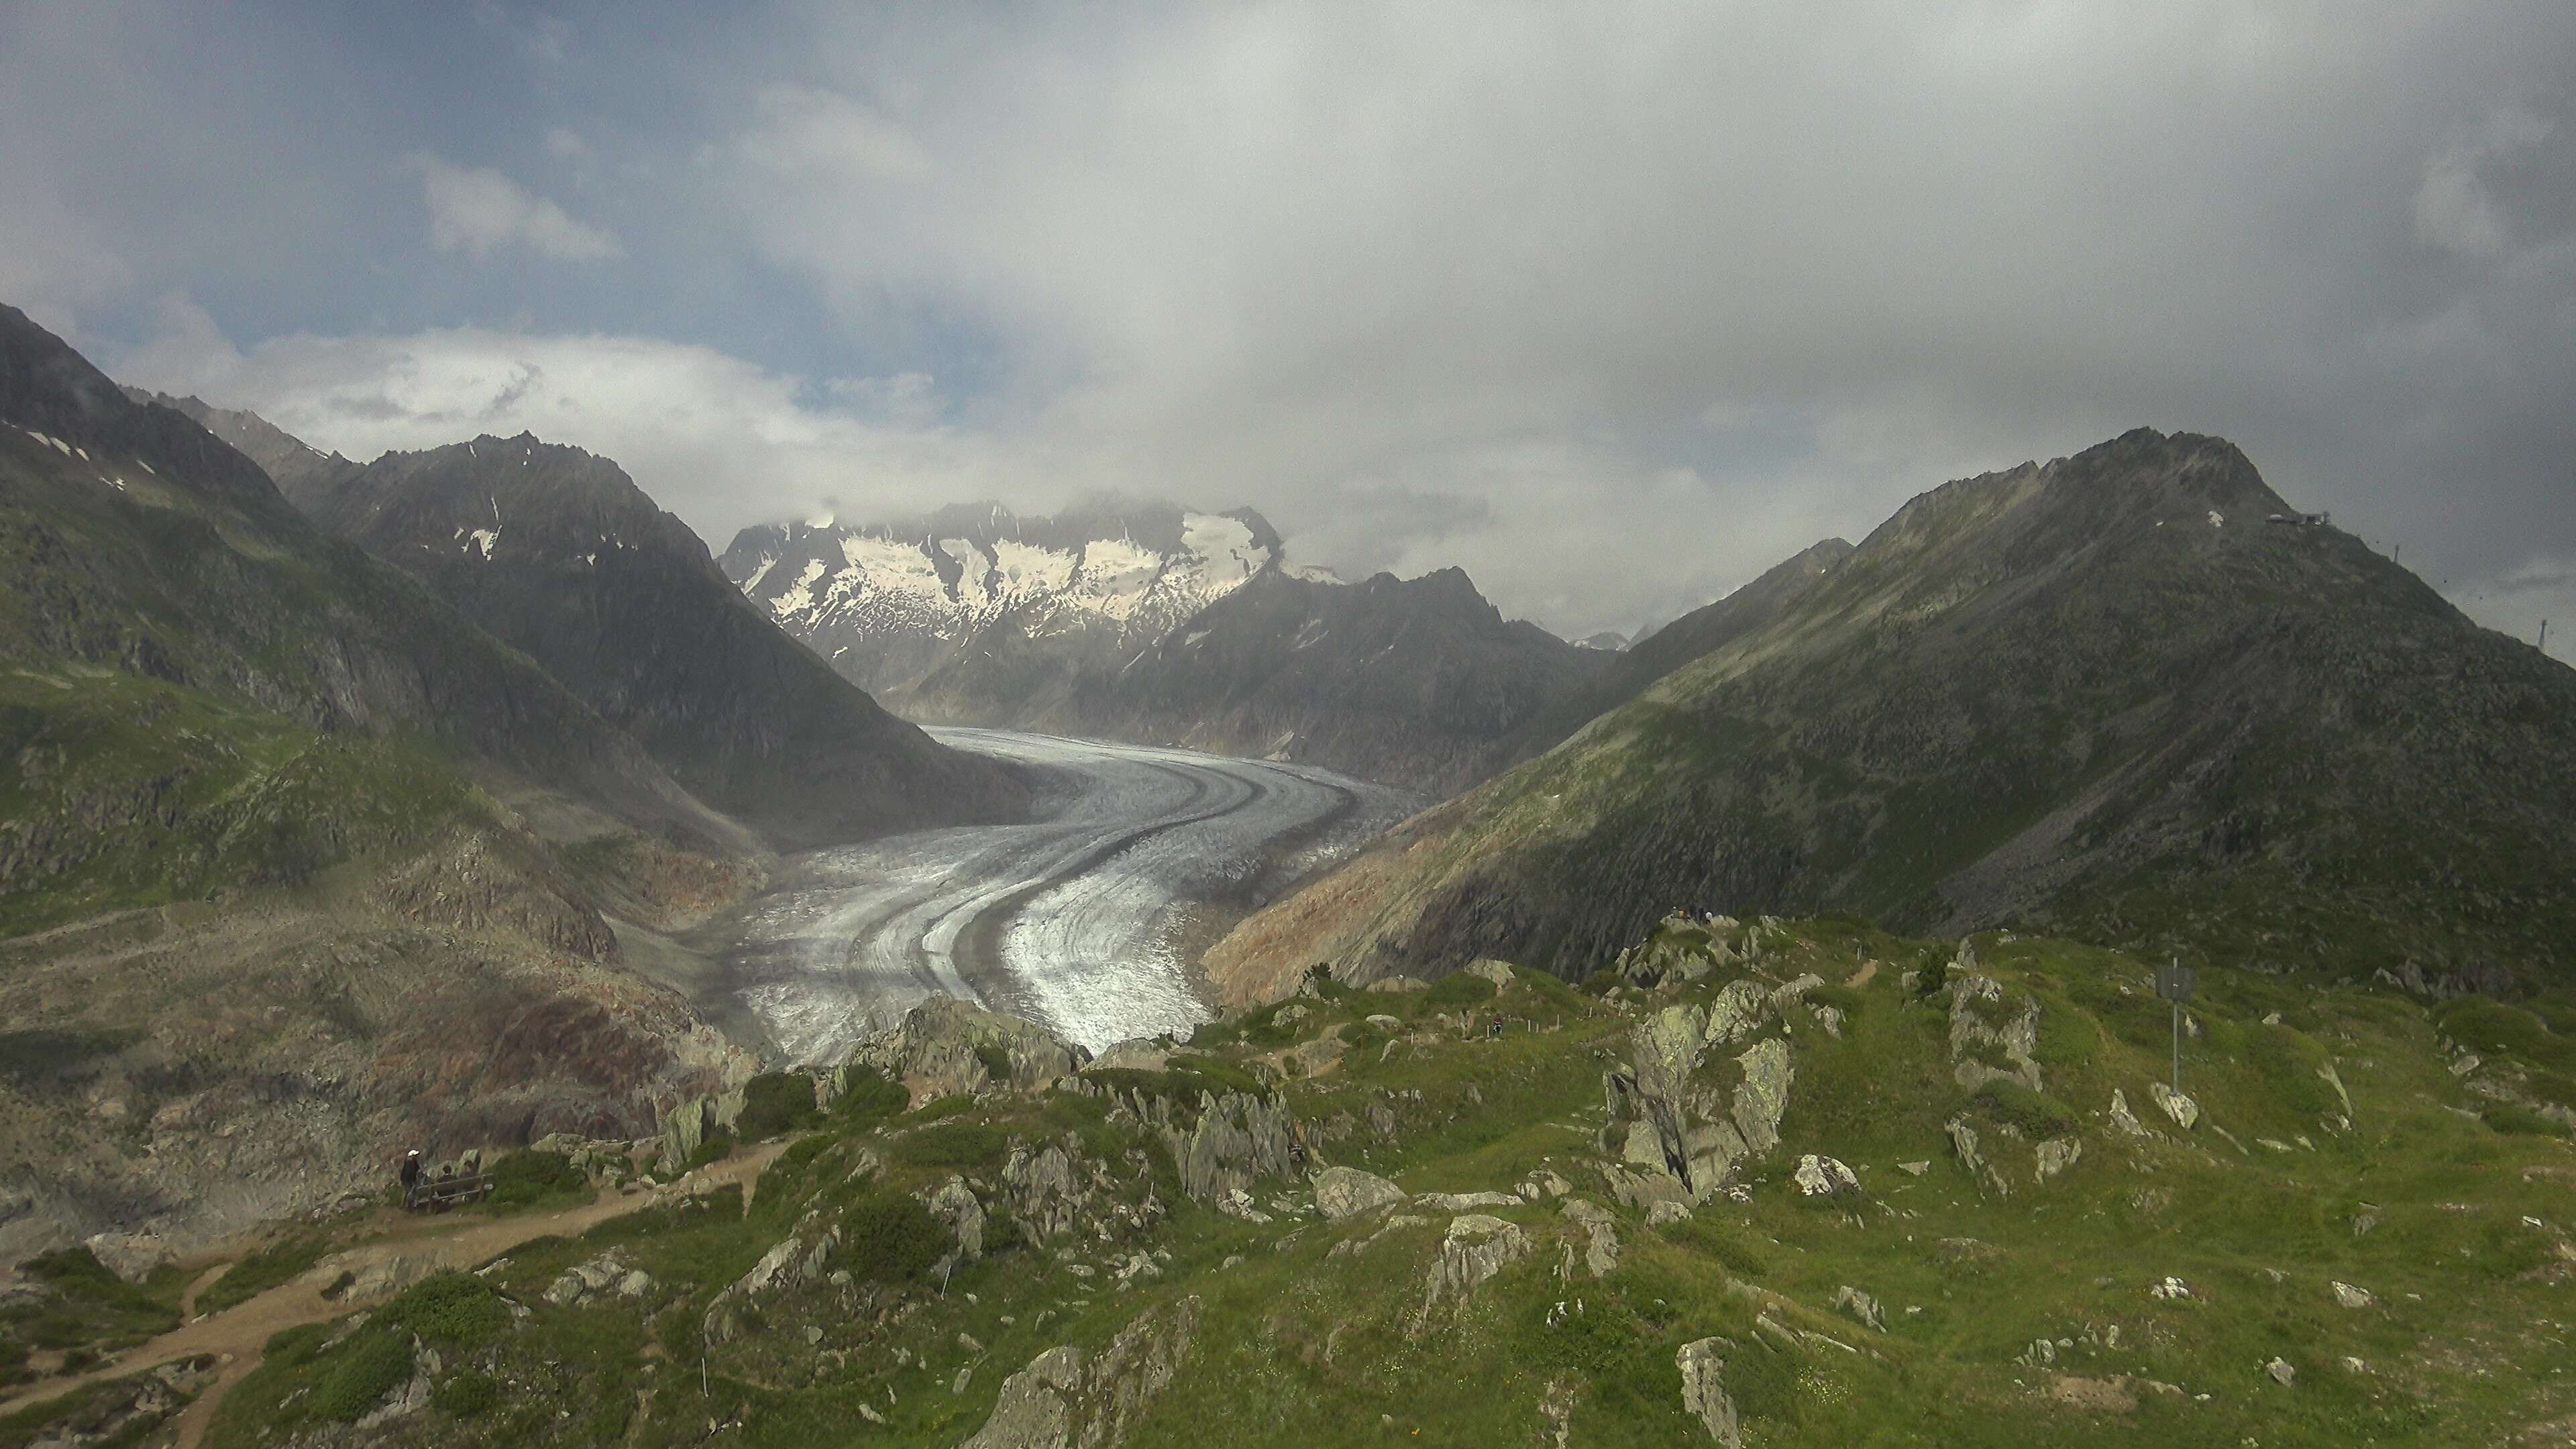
(273, 1264)
(892, 1238)
(531, 1179)
(775, 1103)
(451, 1307)
(952, 1144)
(371, 1365)
(714, 1148)
(1459, 989)
(2516, 1120)
(467, 1395)
(868, 1095)
(2037, 1114)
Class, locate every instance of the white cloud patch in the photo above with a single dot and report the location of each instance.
(720, 441)
(479, 211)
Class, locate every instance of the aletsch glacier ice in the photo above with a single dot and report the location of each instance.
(1070, 920)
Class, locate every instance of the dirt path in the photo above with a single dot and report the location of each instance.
(236, 1336)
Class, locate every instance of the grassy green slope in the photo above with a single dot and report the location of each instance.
(2426, 1190)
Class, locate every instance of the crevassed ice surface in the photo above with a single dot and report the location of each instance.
(1070, 920)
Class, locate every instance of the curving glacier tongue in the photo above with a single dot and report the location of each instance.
(1076, 920)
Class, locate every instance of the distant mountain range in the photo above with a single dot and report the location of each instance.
(2101, 696)
(1157, 624)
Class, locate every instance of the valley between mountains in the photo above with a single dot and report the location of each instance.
(1095, 979)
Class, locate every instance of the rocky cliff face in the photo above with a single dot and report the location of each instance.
(557, 553)
(304, 473)
(2102, 694)
(1418, 682)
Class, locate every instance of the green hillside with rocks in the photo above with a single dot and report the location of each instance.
(1776, 1183)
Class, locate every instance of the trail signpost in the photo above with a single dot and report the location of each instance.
(2174, 984)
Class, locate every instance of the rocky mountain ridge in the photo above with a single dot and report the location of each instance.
(557, 553)
(2101, 695)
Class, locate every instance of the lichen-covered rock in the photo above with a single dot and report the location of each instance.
(1139, 1054)
(792, 1263)
(1069, 1399)
(1825, 1177)
(1497, 972)
(1704, 1396)
(1739, 1007)
(2056, 1155)
(2122, 1119)
(1475, 1248)
(1666, 1117)
(1763, 1099)
(1964, 1141)
(1862, 1306)
(1990, 1039)
(2183, 1110)
(1601, 1234)
(955, 1205)
(599, 1275)
(1459, 1202)
(1346, 1192)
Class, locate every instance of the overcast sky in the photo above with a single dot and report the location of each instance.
(1612, 304)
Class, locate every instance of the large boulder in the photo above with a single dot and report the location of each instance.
(791, 1263)
(1347, 1192)
(1991, 1038)
(1669, 1114)
(945, 1047)
(1704, 1396)
(1475, 1248)
(130, 1256)
(1069, 1399)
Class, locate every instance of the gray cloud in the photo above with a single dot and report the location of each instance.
(1614, 305)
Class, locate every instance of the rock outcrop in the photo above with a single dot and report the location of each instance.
(792, 1263)
(1991, 1039)
(1704, 1396)
(946, 1047)
(1347, 1192)
(1069, 1399)
(1670, 1117)
(1601, 1238)
(1475, 1248)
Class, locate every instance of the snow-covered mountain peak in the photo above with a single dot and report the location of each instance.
(890, 602)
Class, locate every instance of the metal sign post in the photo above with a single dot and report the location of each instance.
(2174, 984)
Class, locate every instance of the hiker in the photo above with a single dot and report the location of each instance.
(410, 1176)
(1495, 1032)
